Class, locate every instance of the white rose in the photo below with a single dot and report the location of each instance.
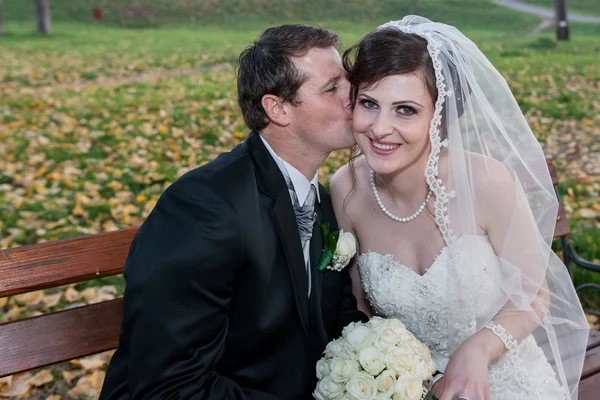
(385, 338)
(424, 367)
(346, 245)
(399, 360)
(383, 396)
(322, 368)
(348, 328)
(372, 360)
(335, 348)
(386, 383)
(396, 324)
(408, 388)
(432, 366)
(362, 386)
(328, 389)
(342, 369)
(376, 322)
(360, 337)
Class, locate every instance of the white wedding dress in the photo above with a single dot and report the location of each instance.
(421, 302)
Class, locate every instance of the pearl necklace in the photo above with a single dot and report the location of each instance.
(388, 213)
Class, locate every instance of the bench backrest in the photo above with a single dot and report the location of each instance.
(65, 335)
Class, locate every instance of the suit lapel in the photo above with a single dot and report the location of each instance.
(316, 249)
(272, 183)
(318, 334)
(285, 221)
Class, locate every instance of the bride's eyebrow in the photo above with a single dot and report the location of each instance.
(366, 96)
(396, 103)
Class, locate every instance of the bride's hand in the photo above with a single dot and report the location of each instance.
(466, 375)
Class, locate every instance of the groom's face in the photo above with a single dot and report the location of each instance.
(323, 119)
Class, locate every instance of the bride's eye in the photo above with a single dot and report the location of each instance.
(406, 110)
(368, 104)
(332, 89)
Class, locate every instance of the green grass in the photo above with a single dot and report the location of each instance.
(585, 7)
(233, 13)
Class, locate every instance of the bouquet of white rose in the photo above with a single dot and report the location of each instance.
(376, 360)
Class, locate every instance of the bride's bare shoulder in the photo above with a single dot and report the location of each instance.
(492, 181)
(350, 176)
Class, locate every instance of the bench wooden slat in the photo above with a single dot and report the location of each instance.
(29, 268)
(60, 336)
(594, 339)
(591, 365)
(562, 224)
(552, 171)
(589, 388)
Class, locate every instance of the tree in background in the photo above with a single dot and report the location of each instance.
(42, 14)
(562, 26)
(1, 19)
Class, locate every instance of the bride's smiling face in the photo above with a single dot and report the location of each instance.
(391, 123)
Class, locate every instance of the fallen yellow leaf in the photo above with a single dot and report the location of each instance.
(68, 376)
(7, 380)
(30, 298)
(78, 211)
(89, 293)
(51, 300)
(109, 226)
(41, 378)
(19, 387)
(72, 295)
(88, 385)
(3, 301)
(96, 361)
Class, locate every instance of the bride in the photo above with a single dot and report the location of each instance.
(453, 209)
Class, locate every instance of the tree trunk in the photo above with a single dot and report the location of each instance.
(1, 19)
(42, 14)
(562, 26)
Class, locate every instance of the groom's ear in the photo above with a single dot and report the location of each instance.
(275, 109)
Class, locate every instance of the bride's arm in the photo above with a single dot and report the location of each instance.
(508, 222)
(340, 188)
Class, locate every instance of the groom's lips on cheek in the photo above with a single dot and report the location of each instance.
(383, 149)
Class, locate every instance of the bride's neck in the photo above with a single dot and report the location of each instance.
(407, 185)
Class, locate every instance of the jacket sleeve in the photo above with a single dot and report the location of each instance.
(348, 311)
(180, 275)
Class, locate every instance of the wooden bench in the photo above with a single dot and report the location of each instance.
(60, 336)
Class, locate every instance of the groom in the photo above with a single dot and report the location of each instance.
(223, 299)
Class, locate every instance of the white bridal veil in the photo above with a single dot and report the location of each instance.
(477, 126)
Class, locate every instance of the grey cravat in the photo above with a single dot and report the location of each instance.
(305, 217)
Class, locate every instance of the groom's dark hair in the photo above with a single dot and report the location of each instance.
(266, 67)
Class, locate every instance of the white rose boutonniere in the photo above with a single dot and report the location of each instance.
(340, 247)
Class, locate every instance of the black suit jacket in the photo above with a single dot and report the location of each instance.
(216, 303)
